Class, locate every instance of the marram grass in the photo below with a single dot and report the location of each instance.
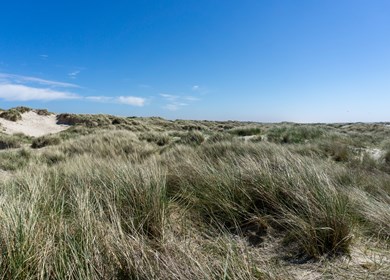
(201, 204)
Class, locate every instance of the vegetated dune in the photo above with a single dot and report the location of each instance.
(148, 198)
(33, 124)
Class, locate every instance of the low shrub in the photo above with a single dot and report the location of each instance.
(44, 141)
(11, 115)
(87, 120)
(43, 112)
(23, 109)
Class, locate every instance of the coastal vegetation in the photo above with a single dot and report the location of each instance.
(149, 198)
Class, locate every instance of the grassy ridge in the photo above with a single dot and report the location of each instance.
(174, 200)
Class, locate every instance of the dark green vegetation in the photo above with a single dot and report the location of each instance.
(15, 114)
(44, 141)
(13, 141)
(11, 115)
(147, 198)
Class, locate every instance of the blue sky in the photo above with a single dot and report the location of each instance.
(270, 61)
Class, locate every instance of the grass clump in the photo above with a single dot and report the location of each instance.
(245, 131)
(53, 157)
(219, 137)
(43, 141)
(337, 150)
(161, 139)
(43, 112)
(374, 210)
(293, 134)
(23, 109)
(261, 180)
(15, 114)
(15, 160)
(11, 115)
(192, 138)
(9, 142)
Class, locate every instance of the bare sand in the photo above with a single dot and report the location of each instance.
(32, 124)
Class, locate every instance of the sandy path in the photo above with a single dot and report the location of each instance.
(32, 124)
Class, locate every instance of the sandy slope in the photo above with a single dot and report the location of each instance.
(32, 124)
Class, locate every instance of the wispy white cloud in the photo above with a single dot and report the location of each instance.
(11, 92)
(26, 88)
(174, 106)
(126, 100)
(131, 100)
(74, 74)
(199, 89)
(44, 56)
(175, 102)
(169, 97)
(171, 107)
(191, 98)
(19, 79)
(103, 99)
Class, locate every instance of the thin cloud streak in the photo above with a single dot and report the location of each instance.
(16, 88)
(19, 79)
(126, 100)
(74, 74)
(169, 97)
(102, 99)
(175, 102)
(191, 98)
(199, 89)
(175, 106)
(11, 92)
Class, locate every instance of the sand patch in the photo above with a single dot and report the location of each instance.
(33, 124)
(375, 153)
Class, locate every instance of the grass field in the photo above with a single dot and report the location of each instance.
(148, 198)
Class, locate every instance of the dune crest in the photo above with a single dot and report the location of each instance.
(33, 124)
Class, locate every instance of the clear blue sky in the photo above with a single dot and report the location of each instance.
(302, 61)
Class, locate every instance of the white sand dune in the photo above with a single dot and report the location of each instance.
(32, 124)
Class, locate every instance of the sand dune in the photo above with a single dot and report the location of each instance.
(32, 124)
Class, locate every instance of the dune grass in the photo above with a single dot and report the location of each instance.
(11, 115)
(178, 203)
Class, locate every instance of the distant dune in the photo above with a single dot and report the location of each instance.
(33, 124)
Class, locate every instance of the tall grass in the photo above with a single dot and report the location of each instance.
(265, 180)
(111, 221)
(9, 142)
(117, 204)
(293, 134)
